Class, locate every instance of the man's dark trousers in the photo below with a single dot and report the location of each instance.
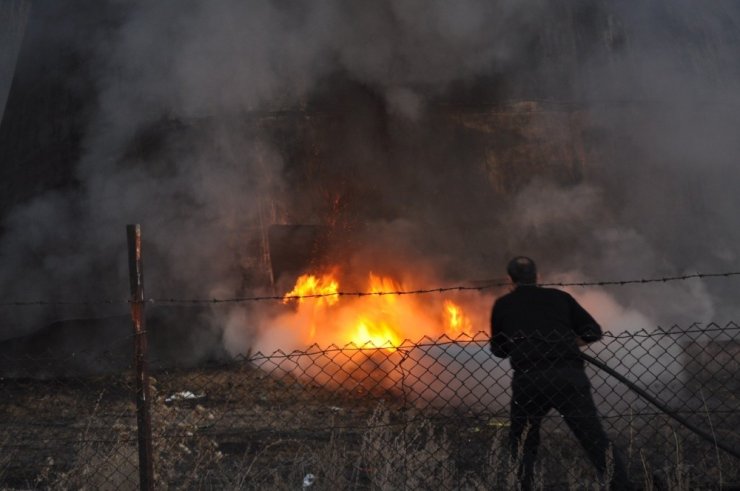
(568, 391)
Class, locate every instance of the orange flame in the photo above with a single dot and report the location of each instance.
(376, 321)
(383, 287)
(309, 285)
(370, 333)
(456, 321)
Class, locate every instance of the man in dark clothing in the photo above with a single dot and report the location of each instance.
(540, 330)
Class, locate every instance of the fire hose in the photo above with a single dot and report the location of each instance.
(655, 402)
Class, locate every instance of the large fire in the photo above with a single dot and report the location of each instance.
(378, 319)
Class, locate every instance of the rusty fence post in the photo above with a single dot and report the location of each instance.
(143, 417)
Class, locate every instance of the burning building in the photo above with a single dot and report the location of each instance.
(393, 145)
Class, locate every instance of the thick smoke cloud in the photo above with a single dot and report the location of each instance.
(13, 17)
(650, 89)
(667, 182)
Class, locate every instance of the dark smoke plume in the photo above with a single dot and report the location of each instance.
(597, 137)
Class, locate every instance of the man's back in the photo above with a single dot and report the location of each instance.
(538, 328)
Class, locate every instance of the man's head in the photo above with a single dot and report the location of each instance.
(522, 270)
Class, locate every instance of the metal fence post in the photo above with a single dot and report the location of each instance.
(143, 417)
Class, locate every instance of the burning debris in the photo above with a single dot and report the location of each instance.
(373, 318)
(365, 334)
(185, 395)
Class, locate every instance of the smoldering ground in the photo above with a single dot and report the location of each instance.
(597, 138)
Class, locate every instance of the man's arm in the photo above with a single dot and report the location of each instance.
(585, 326)
(580, 342)
(500, 343)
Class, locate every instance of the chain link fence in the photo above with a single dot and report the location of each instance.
(432, 414)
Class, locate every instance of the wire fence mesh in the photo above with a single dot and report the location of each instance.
(430, 414)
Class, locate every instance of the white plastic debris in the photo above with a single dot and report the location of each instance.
(308, 480)
(185, 395)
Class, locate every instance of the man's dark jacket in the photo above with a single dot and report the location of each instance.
(537, 327)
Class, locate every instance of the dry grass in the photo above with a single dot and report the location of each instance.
(253, 431)
(182, 454)
(97, 465)
(5, 458)
(421, 456)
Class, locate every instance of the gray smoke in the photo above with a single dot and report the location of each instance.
(414, 113)
(13, 18)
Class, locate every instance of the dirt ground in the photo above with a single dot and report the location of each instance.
(235, 425)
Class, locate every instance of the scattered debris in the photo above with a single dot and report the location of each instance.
(308, 480)
(184, 395)
(498, 422)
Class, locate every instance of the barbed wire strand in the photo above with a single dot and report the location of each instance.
(484, 285)
(422, 291)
